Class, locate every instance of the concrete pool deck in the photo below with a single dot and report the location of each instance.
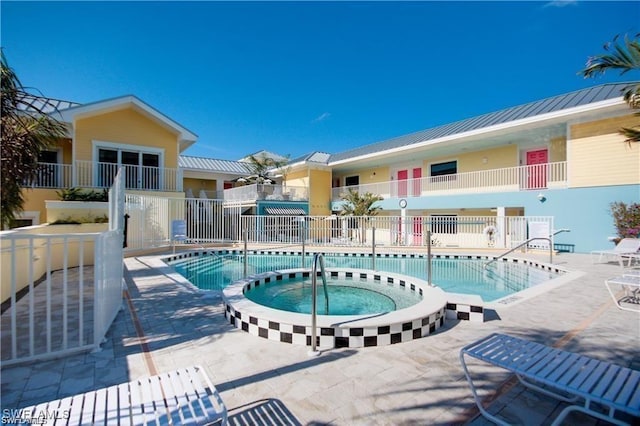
(166, 325)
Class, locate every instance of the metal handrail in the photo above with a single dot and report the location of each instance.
(495, 259)
(317, 258)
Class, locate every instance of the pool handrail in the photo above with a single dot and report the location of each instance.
(317, 258)
(495, 259)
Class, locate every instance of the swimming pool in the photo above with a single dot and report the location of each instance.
(464, 274)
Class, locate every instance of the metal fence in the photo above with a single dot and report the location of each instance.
(397, 231)
(218, 221)
(61, 292)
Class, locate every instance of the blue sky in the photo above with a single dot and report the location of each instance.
(294, 77)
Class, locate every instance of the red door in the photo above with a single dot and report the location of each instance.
(417, 231)
(417, 182)
(537, 169)
(402, 183)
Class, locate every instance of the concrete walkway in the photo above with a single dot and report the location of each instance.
(165, 325)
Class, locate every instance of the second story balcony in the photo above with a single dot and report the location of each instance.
(266, 192)
(510, 179)
(89, 174)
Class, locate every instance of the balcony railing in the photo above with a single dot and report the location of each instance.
(266, 192)
(89, 174)
(523, 178)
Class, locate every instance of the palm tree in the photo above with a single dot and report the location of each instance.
(360, 206)
(261, 166)
(624, 57)
(26, 129)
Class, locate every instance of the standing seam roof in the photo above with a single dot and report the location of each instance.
(531, 109)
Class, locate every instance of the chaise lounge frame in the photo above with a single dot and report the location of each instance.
(585, 383)
(182, 397)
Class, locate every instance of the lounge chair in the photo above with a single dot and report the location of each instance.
(587, 384)
(627, 247)
(630, 283)
(181, 397)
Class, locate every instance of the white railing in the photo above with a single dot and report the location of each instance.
(395, 231)
(266, 192)
(89, 174)
(150, 219)
(523, 178)
(71, 288)
(217, 221)
(60, 292)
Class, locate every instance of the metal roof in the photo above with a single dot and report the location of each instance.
(313, 157)
(213, 165)
(532, 109)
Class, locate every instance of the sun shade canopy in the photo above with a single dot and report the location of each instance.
(282, 211)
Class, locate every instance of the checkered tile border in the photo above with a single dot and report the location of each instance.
(338, 337)
(539, 265)
(465, 312)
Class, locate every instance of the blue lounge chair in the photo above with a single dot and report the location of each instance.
(584, 382)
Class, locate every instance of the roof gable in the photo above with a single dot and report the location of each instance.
(69, 115)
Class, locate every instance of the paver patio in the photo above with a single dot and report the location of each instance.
(265, 382)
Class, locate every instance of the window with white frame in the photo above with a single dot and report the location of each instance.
(141, 165)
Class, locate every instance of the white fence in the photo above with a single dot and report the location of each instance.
(208, 221)
(65, 290)
(60, 291)
(217, 221)
(396, 231)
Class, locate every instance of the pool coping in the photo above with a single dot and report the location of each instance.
(335, 331)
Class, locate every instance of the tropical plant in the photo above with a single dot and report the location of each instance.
(261, 166)
(622, 56)
(356, 204)
(26, 129)
(626, 219)
(361, 207)
(77, 194)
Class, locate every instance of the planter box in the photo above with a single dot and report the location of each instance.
(80, 211)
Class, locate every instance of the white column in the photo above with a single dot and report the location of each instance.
(501, 240)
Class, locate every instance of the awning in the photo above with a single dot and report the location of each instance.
(285, 211)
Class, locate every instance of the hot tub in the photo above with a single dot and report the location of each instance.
(375, 328)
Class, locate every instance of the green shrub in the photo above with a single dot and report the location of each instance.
(77, 194)
(78, 220)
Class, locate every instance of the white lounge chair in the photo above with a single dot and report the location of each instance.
(630, 283)
(587, 383)
(181, 397)
(626, 248)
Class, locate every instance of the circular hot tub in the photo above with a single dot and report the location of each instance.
(366, 308)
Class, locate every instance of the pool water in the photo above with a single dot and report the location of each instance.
(346, 297)
(466, 276)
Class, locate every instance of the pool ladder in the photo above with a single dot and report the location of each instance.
(318, 258)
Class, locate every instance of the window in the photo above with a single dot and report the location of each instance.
(26, 218)
(444, 224)
(140, 166)
(48, 174)
(352, 181)
(444, 169)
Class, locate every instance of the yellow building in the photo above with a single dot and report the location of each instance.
(561, 157)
